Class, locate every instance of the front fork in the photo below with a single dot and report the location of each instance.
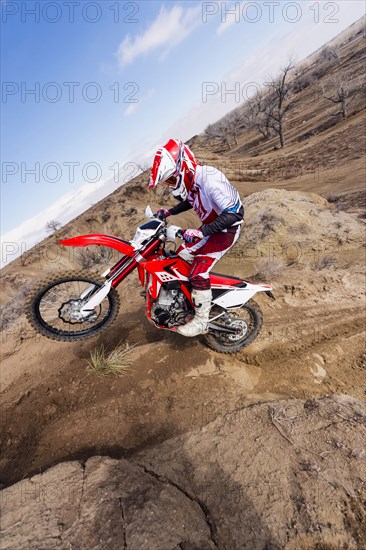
(95, 300)
(115, 276)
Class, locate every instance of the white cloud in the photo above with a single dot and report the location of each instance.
(229, 16)
(64, 209)
(132, 108)
(170, 28)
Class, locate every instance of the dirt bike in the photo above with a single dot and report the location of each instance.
(77, 305)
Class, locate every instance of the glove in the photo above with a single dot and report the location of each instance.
(162, 213)
(192, 235)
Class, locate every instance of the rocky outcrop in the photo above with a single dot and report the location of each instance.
(286, 474)
(106, 503)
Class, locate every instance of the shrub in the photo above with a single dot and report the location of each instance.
(332, 197)
(268, 270)
(11, 311)
(325, 262)
(269, 222)
(131, 211)
(89, 257)
(301, 82)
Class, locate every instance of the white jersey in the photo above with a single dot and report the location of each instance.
(212, 194)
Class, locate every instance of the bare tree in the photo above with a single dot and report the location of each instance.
(279, 101)
(264, 112)
(340, 96)
(218, 131)
(257, 114)
(235, 122)
(142, 166)
(53, 226)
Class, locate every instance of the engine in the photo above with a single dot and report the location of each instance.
(172, 308)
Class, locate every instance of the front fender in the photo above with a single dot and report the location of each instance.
(101, 240)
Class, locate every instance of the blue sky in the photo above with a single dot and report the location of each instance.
(136, 71)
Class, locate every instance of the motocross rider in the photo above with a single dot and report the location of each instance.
(216, 202)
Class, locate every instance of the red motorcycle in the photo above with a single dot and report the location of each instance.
(77, 305)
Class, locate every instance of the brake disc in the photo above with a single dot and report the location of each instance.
(241, 326)
(72, 312)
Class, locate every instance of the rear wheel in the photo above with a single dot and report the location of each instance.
(247, 321)
(53, 307)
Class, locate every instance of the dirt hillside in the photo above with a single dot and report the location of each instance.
(186, 422)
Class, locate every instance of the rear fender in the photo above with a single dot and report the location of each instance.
(102, 240)
(235, 297)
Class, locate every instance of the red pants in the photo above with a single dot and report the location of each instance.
(206, 253)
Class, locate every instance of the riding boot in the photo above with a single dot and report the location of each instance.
(202, 303)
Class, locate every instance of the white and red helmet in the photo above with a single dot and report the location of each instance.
(174, 164)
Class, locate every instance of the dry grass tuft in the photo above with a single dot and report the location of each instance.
(117, 362)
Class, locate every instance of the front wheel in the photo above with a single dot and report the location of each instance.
(247, 321)
(53, 307)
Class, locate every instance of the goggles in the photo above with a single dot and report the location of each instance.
(171, 181)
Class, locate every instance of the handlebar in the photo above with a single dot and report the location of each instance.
(179, 233)
(160, 216)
